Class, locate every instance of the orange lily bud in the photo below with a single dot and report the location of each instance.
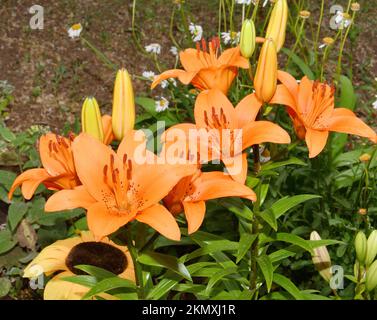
(248, 38)
(91, 118)
(278, 23)
(123, 117)
(265, 81)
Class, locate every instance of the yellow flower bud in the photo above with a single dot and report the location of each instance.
(278, 23)
(247, 40)
(363, 211)
(123, 116)
(328, 41)
(361, 246)
(265, 81)
(365, 157)
(305, 14)
(371, 248)
(91, 119)
(321, 258)
(355, 6)
(371, 277)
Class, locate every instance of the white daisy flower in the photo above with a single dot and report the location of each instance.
(230, 37)
(164, 84)
(174, 51)
(153, 48)
(246, 2)
(196, 32)
(162, 104)
(75, 30)
(375, 104)
(150, 75)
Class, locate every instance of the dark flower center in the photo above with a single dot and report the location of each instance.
(96, 254)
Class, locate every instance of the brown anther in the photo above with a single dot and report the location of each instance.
(124, 159)
(71, 136)
(198, 47)
(105, 170)
(111, 162)
(64, 143)
(55, 147)
(50, 146)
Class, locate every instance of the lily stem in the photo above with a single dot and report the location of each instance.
(138, 270)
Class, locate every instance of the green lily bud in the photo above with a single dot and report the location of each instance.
(247, 40)
(91, 118)
(361, 246)
(371, 248)
(371, 277)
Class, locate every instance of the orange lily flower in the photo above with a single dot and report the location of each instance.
(206, 70)
(228, 130)
(191, 193)
(311, 108)
(58, 170)
(120, 187)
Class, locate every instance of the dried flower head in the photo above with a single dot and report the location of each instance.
(305, 14)
(355, 6)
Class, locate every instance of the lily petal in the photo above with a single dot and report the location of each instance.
(284, 97)
(214, 100)
(316, 141)
(213, 185)
(183, 76)
(102, 222)
(263, 131)
(289, 82)
(247, 110)
(29, 182)
(237, 167)
(69, 199)
(194, 212)
(233, 57)
(160, 219)
(350, 124)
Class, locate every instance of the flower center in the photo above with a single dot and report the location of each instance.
(96, 254)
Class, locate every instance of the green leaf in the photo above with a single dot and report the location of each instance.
(265, 265)
(269, 217)
(217, 277)
(274, 165)
(109, 284)
(16, 212)
(165, 261)
(281, 255)
(288, 285)
(5, 286)
(237, 207)
(293, 239)
(213, 246)
(300, 63)
(246, 240)
(148, 104)
(347, 100)
(7, 135)
(6, 241)
(283, 205)
(96, 272)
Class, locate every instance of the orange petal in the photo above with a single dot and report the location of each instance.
(316, 141)
(192, 61)
(232, 57)
(237, 167)
(30, 180)
(107, 129)
(305, 95)
(289, 82)
(91, 156)
(350, 124)
(342, 112)
(102, 222)
(247, 110)
(284, 97)
(194, 212)
(214, 100)
(264, 131)
(183, 76)
(160, 219)
(213, 185)
(69, 199)
(54, 166)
